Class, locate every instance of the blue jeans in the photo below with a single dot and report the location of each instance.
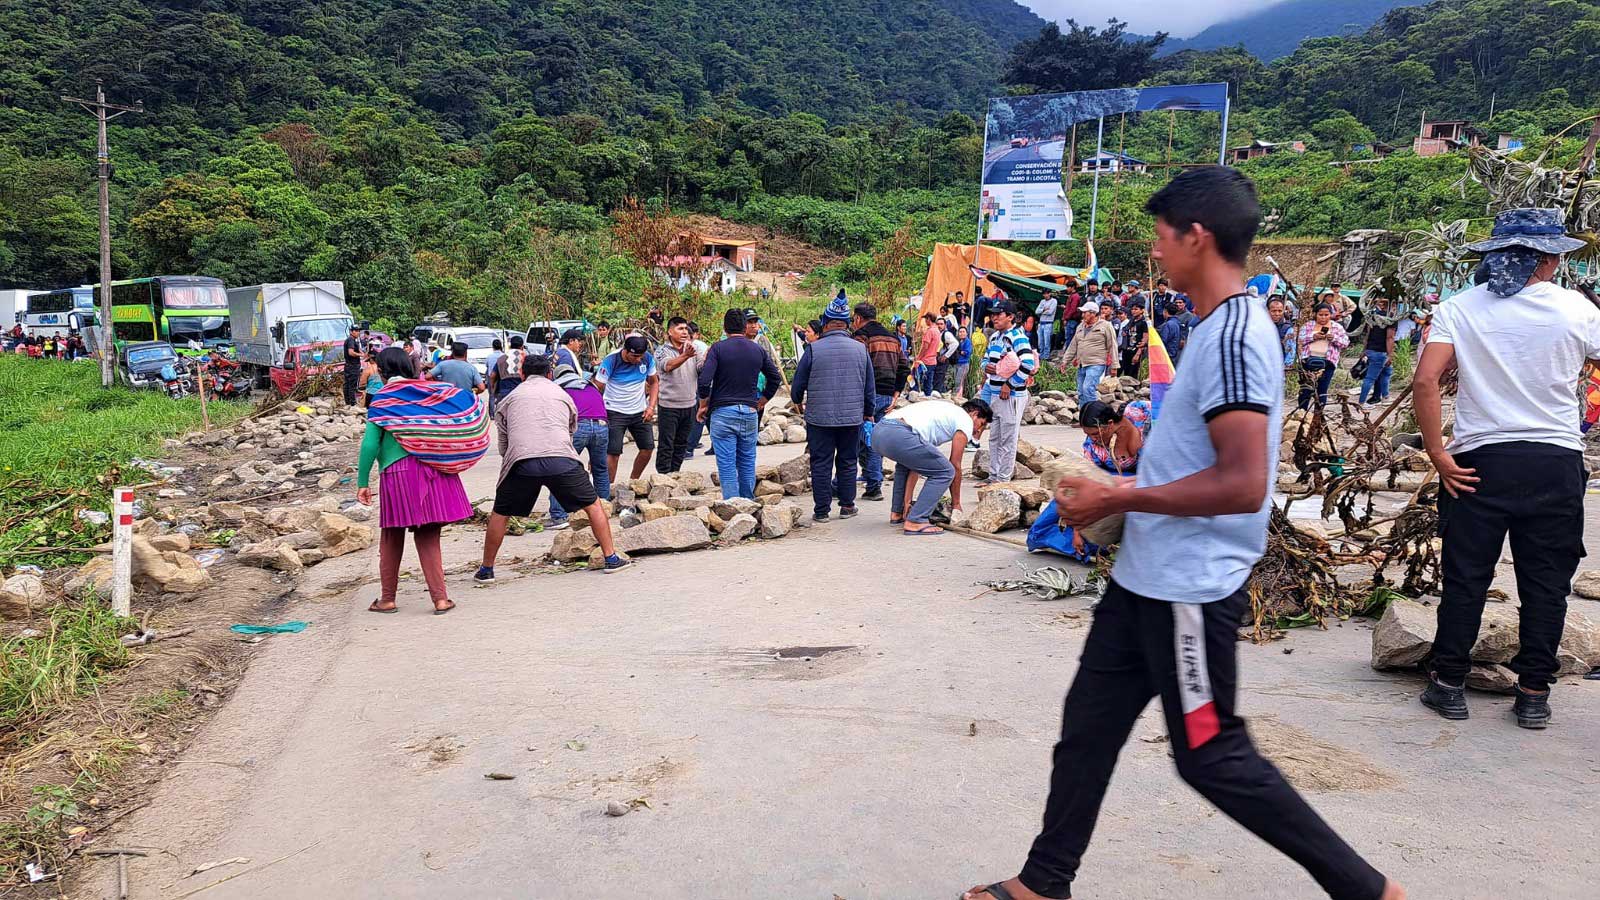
(1069, 327)
(924, 379)
(871, 460)
(1046, 332)
(592, 435)
(1088, 377)
(733, 437)
(1376, 381)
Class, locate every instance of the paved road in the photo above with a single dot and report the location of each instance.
(361, 746)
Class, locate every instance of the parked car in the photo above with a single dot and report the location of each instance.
(539, 331)
(479, 341)
(141, 364)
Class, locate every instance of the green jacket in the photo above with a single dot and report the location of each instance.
(376, 446)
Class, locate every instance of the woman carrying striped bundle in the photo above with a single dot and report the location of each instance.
(422, 435)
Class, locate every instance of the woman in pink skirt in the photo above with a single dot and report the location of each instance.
(413, 496)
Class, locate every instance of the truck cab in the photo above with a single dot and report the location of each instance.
(287, 333)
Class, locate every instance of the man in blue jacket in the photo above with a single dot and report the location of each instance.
(838, 376)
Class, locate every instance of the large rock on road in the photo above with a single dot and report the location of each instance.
(1404, 637)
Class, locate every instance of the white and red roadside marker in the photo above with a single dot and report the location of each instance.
(122, 551)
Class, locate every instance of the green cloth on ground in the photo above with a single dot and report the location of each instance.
(285, 628)
(376, 446)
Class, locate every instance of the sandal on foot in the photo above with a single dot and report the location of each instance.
(441, 610)
(997, 891)
(929, 530)
(380, 609)
(897, 520)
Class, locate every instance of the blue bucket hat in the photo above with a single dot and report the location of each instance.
(838, 310)
(1513, 250)
(1543, 230)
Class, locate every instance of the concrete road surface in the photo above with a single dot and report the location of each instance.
(839, 714)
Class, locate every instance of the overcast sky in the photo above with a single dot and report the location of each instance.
(1148, 16)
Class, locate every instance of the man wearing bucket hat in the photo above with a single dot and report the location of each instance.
(1514, 463)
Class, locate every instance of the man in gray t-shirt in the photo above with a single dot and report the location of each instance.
(457, 371)
(1168, 624)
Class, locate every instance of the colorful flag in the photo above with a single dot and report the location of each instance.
(1161, 371)
(1091, 264)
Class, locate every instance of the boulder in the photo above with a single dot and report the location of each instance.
(714, 521)
(660, 492)
(733, 506)
(271, 555)
(166, 570)
(1032, 493)
(685, 504)
(93, 578)
(1493, 679)
(796, 488)
(651, 511)
(340, 535)
(778, 519)
(796, 469)
(573, 544)
(1107, 530)
(176, 541)
(311, 556)
(771, 434)
(228, 512)
(703, 513)
(997, 510)
(287, 519)
(19, 595)
(624, 496)
(737, 529)
(639, 485)
(794, 434)
(693, 482)
(769, 489)
(667, 535)
(301, 540)
(1587, 584)
(1404, 637)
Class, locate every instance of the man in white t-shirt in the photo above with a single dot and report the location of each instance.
(1515, 460)
(912, 436)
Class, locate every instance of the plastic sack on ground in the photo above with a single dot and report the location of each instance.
(1048, 534)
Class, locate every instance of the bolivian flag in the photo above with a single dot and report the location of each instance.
(1160, 373)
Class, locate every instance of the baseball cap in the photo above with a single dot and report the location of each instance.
(635, 343)
(572, 334)
(1004, 306)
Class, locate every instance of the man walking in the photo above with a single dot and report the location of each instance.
(1378, 350)
(1091, 352)
(353, 360)
(731, 405)
(1515, 461)
(834, 388)
(678, 359)
(1046, 311)
(1009, 364)
(912, 437)
(534, 426)
(890, 369)
(628, 380)
(1168, 623)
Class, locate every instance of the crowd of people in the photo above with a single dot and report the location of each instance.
(51, 345)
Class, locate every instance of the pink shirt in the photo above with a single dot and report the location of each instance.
(928, 351)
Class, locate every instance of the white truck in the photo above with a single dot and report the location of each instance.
(284, 333)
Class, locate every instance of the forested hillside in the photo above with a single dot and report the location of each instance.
(449, 155)
(1277, 30)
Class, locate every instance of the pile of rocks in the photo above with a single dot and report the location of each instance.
(1404, 637)
(685, 511)
(1120, 390)
(326, 421)
(1051, 408)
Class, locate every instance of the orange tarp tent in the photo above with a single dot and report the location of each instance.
(949, 272)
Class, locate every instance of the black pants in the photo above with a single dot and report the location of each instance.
(1535, 492)
(1130, 363)
(833, 465)
(1135, 651)
(941, 377)
(352, 377)
(672, 434)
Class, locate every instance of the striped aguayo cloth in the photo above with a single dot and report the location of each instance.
(438, 423)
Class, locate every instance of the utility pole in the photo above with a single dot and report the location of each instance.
(99, 107)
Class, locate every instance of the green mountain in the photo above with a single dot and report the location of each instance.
(1277, 30)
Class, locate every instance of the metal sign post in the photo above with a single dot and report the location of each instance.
(122, 551)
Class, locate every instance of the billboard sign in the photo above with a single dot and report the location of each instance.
(1026, 138)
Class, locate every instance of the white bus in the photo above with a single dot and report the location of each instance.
(69, 309)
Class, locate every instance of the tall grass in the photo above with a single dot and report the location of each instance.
(61, 436)
(40, 675)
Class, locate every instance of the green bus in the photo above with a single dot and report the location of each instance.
(189, 311)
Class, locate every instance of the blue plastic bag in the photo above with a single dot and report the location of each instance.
(1047, 533)
(866, 432)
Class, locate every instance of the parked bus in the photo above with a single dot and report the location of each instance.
(189, 311)
(69, 309)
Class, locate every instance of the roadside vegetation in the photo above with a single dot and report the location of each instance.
(64, 442)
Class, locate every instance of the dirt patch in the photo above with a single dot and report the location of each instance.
(1312, 764)
(437, 751)
(776, 251)
(98, 761)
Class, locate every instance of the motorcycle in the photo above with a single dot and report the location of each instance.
(228, 384)
(176, 381)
